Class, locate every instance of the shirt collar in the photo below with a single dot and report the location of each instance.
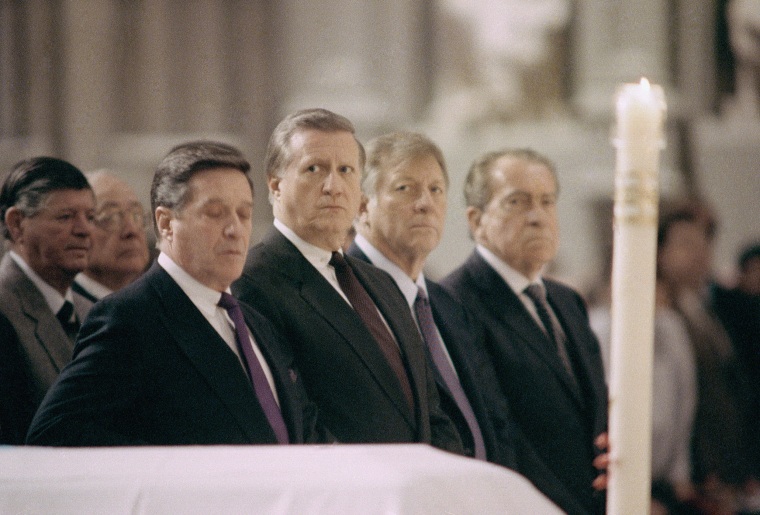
(97, 289)
(408, 287)
(319, 258)
(205, 298)
(52, 297)
(517, 281)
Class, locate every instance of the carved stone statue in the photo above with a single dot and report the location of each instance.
(744, 33)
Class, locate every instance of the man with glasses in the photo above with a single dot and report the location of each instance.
(46, 213)
(119, 252)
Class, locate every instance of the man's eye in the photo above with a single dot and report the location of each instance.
(402, 187)
(346, 169)
(313, 168)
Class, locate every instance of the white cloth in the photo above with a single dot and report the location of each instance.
(270, 479)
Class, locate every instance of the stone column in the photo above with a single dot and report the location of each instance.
(86, 84)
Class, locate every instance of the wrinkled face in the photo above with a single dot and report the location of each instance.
(56, 241)
(317, 194)
(209, 235)
(685, 255)
(519, 223)
(405, 218)
(119, 246)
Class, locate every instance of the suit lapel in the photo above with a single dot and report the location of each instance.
(322, 297)
(208, 353)
(47, 330)
(504, 305)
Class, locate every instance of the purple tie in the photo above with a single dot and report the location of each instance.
(367, 311)
(259, 379)
(445, 368)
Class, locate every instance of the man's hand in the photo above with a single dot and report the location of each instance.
(601, 462)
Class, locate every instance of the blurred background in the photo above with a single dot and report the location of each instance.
(117, 83)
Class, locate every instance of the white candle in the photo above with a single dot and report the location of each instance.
(640, 112)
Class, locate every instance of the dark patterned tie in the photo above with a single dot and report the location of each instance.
(367, 311)
(538, 296)
(68, 320)
(259, 379)
(445, 368)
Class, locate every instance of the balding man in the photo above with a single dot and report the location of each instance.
(119, 252)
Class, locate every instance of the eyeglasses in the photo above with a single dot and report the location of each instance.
(112, 220)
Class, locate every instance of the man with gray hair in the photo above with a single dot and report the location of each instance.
(546, 356)
(401, 222)
(354, 338)
(173, 358)
(46, 211)
(119, 252)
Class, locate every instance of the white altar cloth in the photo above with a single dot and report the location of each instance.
(334, 479)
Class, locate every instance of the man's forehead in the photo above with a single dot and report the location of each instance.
(108, 188)
(317, 140)
(68, 196)
(520, 173)
(416, 168)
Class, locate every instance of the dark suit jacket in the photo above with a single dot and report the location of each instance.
(149, 369)
(343, 368)
(463, 339)
(33, 350)
(559, 420)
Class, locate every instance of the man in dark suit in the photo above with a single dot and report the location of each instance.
(354, 340)
(547, 359)
(173, 359)
(401, 222)
(46, 209)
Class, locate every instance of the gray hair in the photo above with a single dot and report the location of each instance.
(388, 151)
(478, 187)
(278, 150)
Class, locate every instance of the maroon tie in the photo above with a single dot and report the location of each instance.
(367, 311)
(259, 379)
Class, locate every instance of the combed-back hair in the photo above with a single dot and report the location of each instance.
(170, 182)
(30, 182)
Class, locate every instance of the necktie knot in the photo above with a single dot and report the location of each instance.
(536, 293)
(66, 312)
(421, 297)
(337, 260)
(228, 302)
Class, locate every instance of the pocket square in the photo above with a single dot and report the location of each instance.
(293, 375)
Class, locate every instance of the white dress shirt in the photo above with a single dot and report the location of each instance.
(207, 301)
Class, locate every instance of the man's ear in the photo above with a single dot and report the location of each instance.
(13, 218)
(273, 183)
(363, 216)
(164, 217)
(474, 215)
